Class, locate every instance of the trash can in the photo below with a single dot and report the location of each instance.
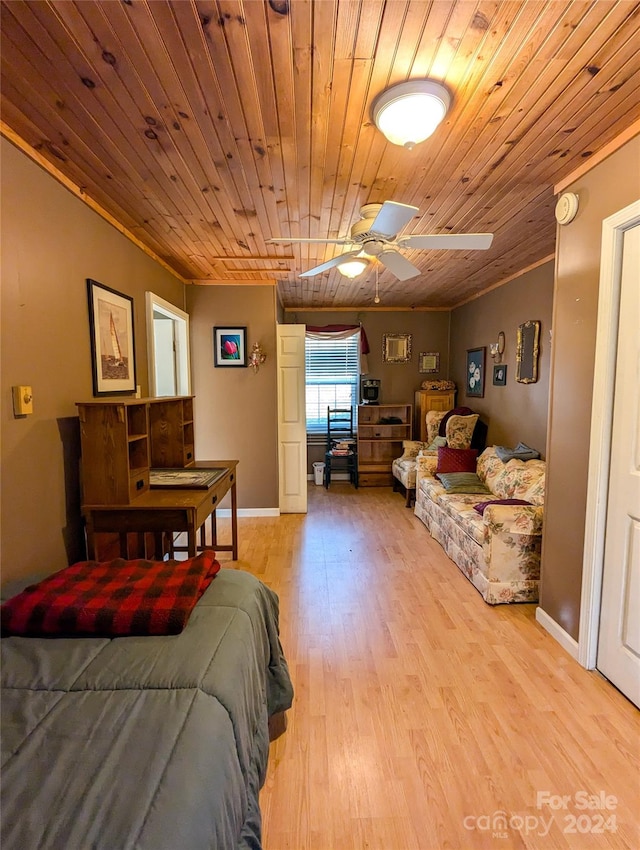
(318, 472)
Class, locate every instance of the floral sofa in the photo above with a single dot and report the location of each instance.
(499, 550)
(461, 432)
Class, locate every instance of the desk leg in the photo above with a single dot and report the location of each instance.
(234, 521)
(214, 529)
(91, 541)
(192, 535)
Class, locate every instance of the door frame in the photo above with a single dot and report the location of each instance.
(183, 361)
(613, 230)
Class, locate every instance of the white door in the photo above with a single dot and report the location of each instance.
(619, 632)
(292, 423)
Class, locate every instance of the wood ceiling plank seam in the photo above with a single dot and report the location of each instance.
(459, 23)
(257, 169)
(281, 47)
(303, 45)
(202, 43)
(132, 217)
(160, 81)
(391, 24)
(325, 26)
(468, 169)
(82, 58)
(555, 117)
(138, 90)
(477, 105)
(49, 75)
(30, 130)
(107, 128)
(230, 167)
(202, 163)
(258, 39)
(355, 58)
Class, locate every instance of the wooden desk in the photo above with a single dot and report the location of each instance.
(170, 510)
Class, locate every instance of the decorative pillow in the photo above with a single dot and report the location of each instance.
(456, 460)
(436, 444)
(460, 431)
(456, 411)
(433, 419)
(462, 482)
(411, 448)
(482, 506)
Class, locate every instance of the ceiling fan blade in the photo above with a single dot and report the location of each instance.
(287, 239)
(331, 264)
(392, 218)
(448, 241)
(398, 265)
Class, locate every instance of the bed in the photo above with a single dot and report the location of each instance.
(152, 743)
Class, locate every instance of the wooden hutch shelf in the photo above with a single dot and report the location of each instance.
(380, 442)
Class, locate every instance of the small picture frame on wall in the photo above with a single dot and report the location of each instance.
(475, 371)
(499, 375)
(230, 346)
(113, 361)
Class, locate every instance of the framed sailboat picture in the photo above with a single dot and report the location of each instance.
(112, 341)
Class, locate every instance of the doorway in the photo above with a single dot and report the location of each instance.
(168, 348)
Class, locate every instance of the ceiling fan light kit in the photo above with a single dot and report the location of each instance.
(375, 235)
(409, 112)
(352, 268)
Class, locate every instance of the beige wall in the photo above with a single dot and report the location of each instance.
(52, 242)
(235, 409)
(604, 190)
(516, 412)
(399, 381)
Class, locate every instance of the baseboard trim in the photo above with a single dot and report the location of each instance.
(226, 512)
(556, 631)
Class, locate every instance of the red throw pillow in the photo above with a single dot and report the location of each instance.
(456, 460)
(481, 506)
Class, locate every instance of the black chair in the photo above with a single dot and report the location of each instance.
(342, 446)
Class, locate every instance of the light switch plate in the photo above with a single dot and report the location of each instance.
(22, 401)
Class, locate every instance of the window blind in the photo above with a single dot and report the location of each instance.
(332, 374)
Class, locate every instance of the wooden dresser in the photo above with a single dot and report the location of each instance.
(430, 400)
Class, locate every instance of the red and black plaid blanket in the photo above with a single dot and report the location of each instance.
(111, 599)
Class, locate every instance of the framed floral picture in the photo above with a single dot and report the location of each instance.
(475, 371)
(230, 346)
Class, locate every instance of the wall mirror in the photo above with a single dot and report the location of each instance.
(527, 350)
(429, 361)
(396, 348)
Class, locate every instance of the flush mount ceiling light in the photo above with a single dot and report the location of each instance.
(409, 112)
(353, 268)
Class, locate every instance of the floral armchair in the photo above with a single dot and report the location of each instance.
(460, 430)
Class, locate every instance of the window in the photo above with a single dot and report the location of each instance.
(332, 372)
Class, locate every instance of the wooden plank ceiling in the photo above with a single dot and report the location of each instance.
(205, 128)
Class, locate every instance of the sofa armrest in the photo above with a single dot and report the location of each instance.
(426, 464)
(512, 541)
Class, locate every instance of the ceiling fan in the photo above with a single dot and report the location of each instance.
(375, 235)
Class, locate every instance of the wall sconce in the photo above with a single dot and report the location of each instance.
(257, 357)
(409, 112)
(497, 348)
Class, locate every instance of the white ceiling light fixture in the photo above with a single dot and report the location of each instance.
(408, 113)
(352, 268)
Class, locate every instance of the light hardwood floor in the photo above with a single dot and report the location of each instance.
(425, 719)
